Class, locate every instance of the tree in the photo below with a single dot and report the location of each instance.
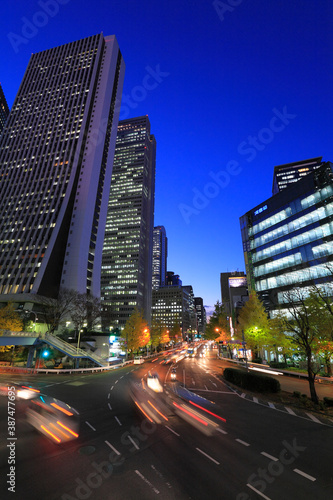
(158, 334)
(10, 319)
(136, 332)
(175, 331)
(218, 324)
(302, 323)
(253, 321)
(56, 310)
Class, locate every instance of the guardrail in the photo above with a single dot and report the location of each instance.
(318, 379)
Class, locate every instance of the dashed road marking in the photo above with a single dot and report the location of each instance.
(148, 482)
(257, 491)
(172, 430)
(208, 456)
(289, 410)
(271, 405)
(91, 427)
(304, 474)
(242, 442)
(118, 420)
(113, 448)
(269, 456)
(222, 431)
(110, 407)
(315, 419)
(132, 440)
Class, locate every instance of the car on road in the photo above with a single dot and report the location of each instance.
(173, 374)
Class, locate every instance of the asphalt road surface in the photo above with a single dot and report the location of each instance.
(255, 452)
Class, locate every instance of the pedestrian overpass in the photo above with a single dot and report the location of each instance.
(36, 340)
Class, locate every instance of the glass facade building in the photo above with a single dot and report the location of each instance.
(56, 156)
(126, 281)
(285, 175)
(288, 239)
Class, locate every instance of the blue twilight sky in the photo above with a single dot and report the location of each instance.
(232, 88)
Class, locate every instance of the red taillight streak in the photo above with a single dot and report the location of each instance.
(204, 409)
(145, 414)
(54, 437)
(151, 404)
(30, 388)
(191, 414)
(58, 430)
(67, 429)
(61, 409)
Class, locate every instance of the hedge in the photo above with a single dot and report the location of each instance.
(328, 401)
(251, 381)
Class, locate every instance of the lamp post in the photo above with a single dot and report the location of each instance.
(35, 314)
(244, 349)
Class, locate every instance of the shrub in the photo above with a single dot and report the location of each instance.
(251, 381)
(278, 365)
(296, 394)
(328, 401)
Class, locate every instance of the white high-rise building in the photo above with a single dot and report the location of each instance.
(56, 157)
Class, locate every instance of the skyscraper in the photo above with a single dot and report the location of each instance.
(56, 155)
(4, 109)
(288, 245)
(285, 175)
(160, 252)
(126, 281)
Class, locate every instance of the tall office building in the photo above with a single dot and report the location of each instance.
(233, 290)
(4, 109)
(56, 155)
(201, 315)
(160, 253)
(285, 175)
(288, 239)
(127, 254)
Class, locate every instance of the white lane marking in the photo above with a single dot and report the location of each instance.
(118, 420)
(269, 456)
(289, 410)
(304, 474)
(206, 388)
(110, 407)
(271, 405)
(208, 456)
(116, 382)
(113, 448)
(172, 430)
(257, 491)
(111, 388)
(214, 384)
(222, 431)
(132, 440)
(109, 396)
(243, 395)
(155, 490)
(121, 377)
(256, 400)
(91, 427)
(242, 442)
(315, 419)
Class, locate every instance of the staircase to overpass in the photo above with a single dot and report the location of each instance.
(8, 337)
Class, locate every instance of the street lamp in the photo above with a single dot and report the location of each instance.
(35, 314)
(244, 350)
